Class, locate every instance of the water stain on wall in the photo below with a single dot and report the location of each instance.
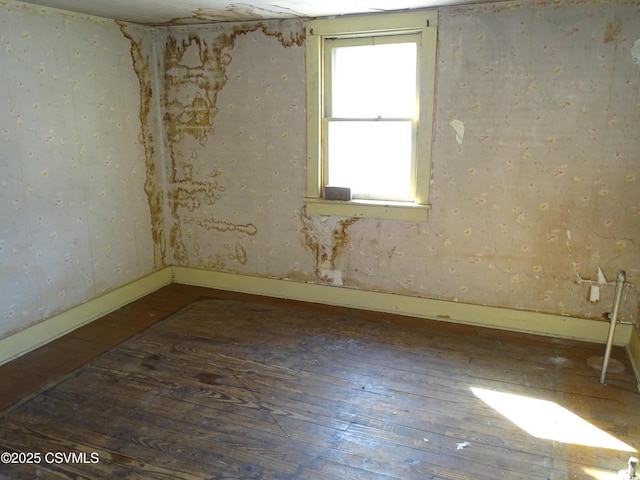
(326, 238)
(233, 252)
(613, 30)
(529, 264)
(194, 73)
(222, 226)
(191, 190)
(152, 187)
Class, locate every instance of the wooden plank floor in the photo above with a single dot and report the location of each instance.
(236, 386)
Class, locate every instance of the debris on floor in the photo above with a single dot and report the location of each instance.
(461, 445)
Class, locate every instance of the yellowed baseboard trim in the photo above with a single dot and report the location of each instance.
(47, 330)
(492, 317)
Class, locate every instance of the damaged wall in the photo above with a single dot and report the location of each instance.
(540, 190)
(535, 166)
(235, 147)
(74, 214)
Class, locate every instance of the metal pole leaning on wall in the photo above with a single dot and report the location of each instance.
(613, 318)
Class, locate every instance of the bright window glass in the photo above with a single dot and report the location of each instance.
(373, 158)
(371, 113)
(374, 81)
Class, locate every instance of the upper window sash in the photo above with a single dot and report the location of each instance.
(329, 78)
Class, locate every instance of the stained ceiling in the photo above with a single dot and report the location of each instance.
(181, 12)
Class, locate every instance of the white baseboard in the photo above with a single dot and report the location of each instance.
(485, 316)
(47, 330)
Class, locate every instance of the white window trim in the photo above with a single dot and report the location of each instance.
(422, 22)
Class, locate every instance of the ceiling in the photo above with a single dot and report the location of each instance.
(181, 12)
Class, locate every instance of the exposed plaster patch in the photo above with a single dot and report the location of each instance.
(326, 238)
(331, 277)
(458, 127)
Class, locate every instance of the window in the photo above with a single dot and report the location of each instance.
(370, 88)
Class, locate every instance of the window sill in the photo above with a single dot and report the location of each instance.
(409, 212)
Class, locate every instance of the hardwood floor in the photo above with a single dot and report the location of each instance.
(196, 383)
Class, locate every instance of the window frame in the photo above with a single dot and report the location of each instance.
(329, 116)
(423, 23)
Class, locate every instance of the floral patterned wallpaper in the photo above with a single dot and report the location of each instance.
(539, 191)
(544, 188)
(74, 215)
(534, 181)
(236, 146)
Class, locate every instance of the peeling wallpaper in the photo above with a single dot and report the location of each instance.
(235, 166)
(74, 216)
(535, 170)
(534, 181)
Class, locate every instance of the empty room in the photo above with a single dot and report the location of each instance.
(314, 239)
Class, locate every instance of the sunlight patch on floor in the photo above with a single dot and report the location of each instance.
(548, 420)
(598, 474)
